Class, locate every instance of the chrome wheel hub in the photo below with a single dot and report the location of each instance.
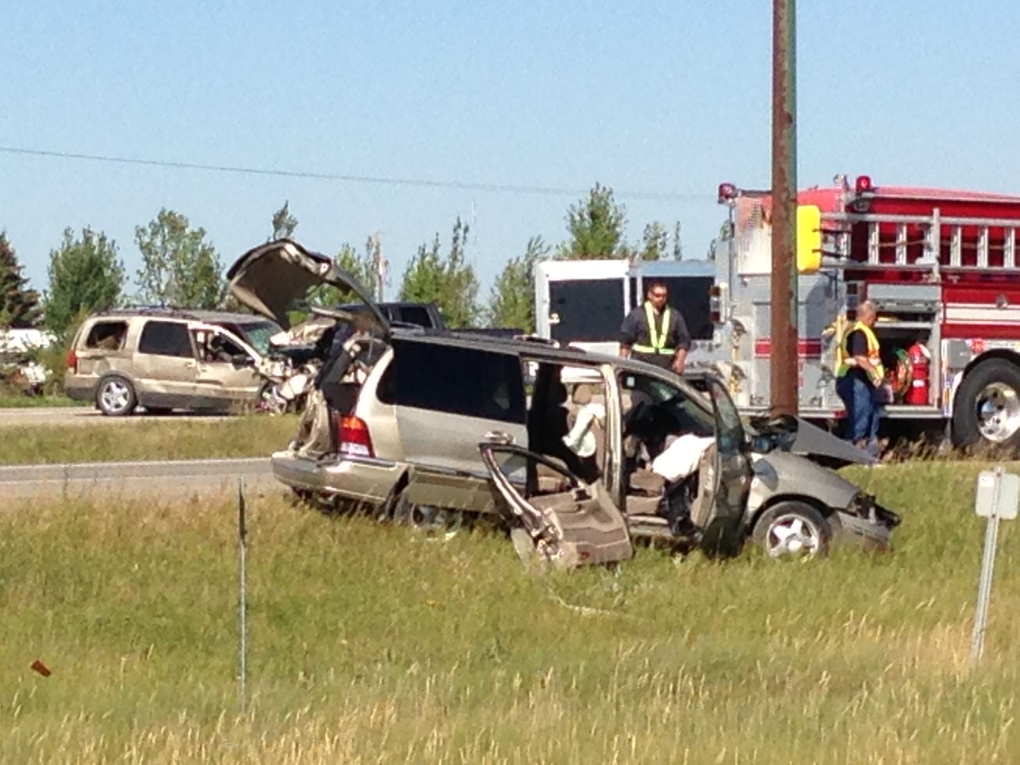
(794, 536)
(115, 396)
(998, 412)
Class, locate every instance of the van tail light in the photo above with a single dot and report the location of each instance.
(355, 440)
(72, 361)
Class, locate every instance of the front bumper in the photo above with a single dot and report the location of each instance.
(866, 523)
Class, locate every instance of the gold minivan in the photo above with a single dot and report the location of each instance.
(163, 359)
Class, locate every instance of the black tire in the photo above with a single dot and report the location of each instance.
(992, 386)
(115, 396)
(809, 533)
(425, 518)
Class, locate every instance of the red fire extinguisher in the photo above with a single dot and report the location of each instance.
(920, 379)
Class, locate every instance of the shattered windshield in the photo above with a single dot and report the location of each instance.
(258, 333)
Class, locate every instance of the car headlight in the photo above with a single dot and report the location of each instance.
(864, 505)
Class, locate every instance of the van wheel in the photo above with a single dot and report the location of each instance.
(426, 518)
(793, 530)
(988, 405)
(116, 397)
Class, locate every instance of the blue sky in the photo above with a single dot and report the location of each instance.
(660, 100)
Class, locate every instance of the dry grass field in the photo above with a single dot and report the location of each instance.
(373, 643)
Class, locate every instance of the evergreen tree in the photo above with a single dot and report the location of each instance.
(19, 305)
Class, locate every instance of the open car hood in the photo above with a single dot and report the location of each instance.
(270, 278)
(813, 441)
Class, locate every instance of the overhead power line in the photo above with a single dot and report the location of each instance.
(498, 188)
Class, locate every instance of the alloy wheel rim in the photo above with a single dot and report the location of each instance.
(793, 536)
(115, 396)
(998, 412)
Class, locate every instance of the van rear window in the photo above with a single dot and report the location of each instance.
(107, 335)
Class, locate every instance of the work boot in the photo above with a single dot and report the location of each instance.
(683, 527)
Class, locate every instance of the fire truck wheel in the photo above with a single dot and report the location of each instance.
(988, 405)
(792, 530)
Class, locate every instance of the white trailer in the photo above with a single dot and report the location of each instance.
(583, 302)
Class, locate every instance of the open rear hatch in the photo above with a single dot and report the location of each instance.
(272, 278)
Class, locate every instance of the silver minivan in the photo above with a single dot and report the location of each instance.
(565, 446)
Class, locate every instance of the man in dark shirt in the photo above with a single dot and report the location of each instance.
(656, 333)
(860, 379)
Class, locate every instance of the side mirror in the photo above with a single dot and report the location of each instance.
(242, 360)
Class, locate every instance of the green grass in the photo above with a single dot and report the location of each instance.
(155, 439)
(370, 643)
(22, 401)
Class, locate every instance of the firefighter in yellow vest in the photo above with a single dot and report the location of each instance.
(860, 379)
(656, 333)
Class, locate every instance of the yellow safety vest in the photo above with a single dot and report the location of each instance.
(657, 340)
(843, 359)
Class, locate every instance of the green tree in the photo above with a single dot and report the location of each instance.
(512, 301)
(19, 305)
(678, 250)
(448, 280)
(654, 242)
(179, 267)
(283, 223)
(596, 228)
(84, 275)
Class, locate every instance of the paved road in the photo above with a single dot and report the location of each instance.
(185, 478)
(86, 415)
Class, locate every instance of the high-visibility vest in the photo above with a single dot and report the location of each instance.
(657, 340)
(843, 358)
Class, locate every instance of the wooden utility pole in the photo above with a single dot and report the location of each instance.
(783, 383)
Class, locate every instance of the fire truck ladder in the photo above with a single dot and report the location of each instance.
(938, 252)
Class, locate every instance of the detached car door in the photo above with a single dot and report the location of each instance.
(577, 525)
(447, 397)
(724, 477)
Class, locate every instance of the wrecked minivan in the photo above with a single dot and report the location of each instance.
(580, 455)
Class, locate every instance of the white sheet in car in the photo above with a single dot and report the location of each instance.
(680, 459)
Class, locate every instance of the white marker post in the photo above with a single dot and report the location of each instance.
(997, 496)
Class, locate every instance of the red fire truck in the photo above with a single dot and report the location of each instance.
(942, 268)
